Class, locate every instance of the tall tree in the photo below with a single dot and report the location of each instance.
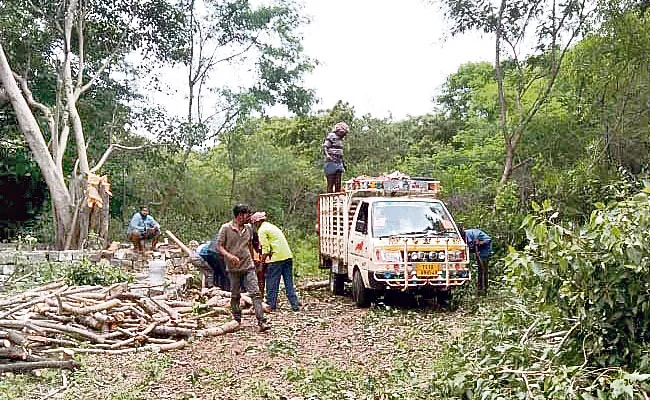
(81, 42)
(534, 36)
(219, 34)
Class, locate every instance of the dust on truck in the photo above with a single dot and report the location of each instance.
(386, 234)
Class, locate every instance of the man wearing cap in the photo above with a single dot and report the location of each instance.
(333, 151)
(275, 249)
(234, 242)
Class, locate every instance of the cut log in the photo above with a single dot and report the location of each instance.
(228, 327)
(315, 285)
(71, 330)
(84, 310)
(13, 353)
(179, 243)
(167, 309)
(30, 366)
(171, 331)
(152, 347)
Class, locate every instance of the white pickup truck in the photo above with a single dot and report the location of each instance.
(386, 235)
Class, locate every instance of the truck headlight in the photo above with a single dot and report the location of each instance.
(389, 255)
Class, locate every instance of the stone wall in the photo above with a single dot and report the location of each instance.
(22, 262)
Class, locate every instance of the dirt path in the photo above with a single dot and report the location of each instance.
(329, 346)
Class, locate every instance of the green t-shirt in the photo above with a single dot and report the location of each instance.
(274, 242)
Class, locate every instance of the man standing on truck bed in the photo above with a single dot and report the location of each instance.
(333, 150)
(234, 242)
(480, 243)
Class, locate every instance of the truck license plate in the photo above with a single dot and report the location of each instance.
(427, 269)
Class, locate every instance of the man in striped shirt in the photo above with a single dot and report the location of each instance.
(333, 150)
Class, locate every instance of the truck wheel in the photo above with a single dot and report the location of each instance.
(337, 282)
(360, 294)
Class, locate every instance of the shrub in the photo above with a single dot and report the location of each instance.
(596, 277)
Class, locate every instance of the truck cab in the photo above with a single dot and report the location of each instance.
(395, 237)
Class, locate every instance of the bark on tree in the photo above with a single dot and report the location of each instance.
(61, 201)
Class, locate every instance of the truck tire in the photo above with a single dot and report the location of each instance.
(337, 282)
(360, 294)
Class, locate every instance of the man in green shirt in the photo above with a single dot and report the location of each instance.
(234, 242)
(275, 249)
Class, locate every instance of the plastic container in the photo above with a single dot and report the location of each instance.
(157, 270)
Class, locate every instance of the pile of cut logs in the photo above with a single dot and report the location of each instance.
(44, 327)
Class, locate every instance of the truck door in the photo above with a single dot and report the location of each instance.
(359, 242)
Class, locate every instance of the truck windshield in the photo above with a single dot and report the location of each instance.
(402, 218)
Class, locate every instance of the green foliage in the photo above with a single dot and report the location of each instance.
(597, 276)
(513, 351)
(86, 273)
(305, 254)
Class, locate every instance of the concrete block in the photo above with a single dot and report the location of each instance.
(8, 269)
(77, 255)
(37, 256)
(53, 256)
(65, 255)
(7, 257)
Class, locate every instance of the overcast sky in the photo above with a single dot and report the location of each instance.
(384, 57)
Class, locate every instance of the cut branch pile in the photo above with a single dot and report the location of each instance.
(57, 320)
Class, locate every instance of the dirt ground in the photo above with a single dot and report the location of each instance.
(328, 345)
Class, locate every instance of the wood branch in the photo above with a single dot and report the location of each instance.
(30, 366)
(70, 329)
(91, 322)
(50, 286)
(219, 330)
(108, 152)
(79, 90)
(26, 305)
(36, 341)
(179, 243)
(154, 347)
(171, 331)
(167, 309)
(29, 96)
(10, 323)
(314, 285)
(13, 353)
(16, 337)
(107, 305)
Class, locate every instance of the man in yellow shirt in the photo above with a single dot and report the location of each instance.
(275, 249)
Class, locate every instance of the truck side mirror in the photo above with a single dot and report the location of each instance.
(361, 226)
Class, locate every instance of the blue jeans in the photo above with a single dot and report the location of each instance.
(274, 271)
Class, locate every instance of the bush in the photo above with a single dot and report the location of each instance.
(597, 277)
(86, 273)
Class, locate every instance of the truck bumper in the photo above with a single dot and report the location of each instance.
(391, 281)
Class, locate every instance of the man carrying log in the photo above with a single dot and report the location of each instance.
(234, 242)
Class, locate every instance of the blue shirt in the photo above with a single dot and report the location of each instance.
(203, 249)
(139, 224)
(485, 249)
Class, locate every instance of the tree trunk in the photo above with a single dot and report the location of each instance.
(61, 201)
(507, 166)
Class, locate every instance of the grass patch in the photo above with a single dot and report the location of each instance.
(305, 255)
